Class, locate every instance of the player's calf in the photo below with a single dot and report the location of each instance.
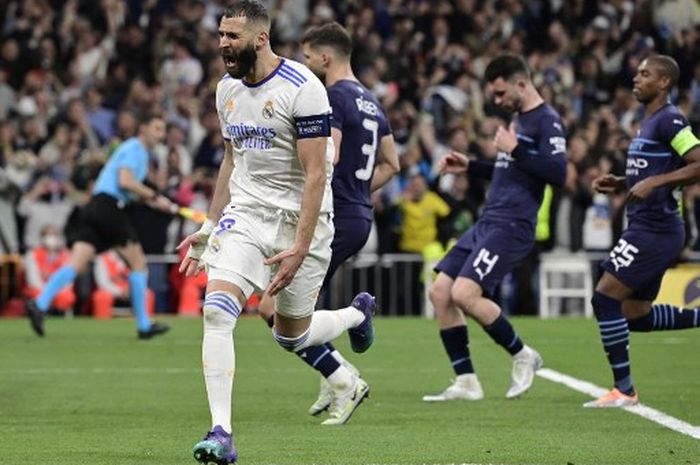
(664, 317)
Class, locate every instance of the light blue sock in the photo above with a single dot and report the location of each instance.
(60, 279)
(138, 284)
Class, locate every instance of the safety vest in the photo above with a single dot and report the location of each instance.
(117, 270)
(48, 262)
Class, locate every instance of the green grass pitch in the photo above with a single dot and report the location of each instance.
(91, 393)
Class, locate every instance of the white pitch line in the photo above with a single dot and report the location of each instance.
(642, 410)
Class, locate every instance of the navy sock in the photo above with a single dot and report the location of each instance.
(665, 317)
(329, 346)
(615, 335)
(456, 342)
(270, 321)
(320, 359)
(503, 333)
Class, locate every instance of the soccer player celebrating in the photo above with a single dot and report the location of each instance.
(365, 159)
(105, 224)
(532, 154)
(269, 226)
(664, 154)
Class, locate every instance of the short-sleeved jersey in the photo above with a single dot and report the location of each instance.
(662, 140)
(263, 122)
(131, 154)
(360, 117)
(519, 179)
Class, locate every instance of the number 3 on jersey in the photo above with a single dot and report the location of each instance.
(369, 150)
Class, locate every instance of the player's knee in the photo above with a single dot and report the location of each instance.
(463, 296)
(291, 343)
(604, 306)
(221, 309)
(439, 294)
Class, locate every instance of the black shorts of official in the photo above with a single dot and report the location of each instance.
(105, 224)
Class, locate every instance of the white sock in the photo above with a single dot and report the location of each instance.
(327, 325)
(341, 379)
(524, 353)
(219, 363)
(338, 356)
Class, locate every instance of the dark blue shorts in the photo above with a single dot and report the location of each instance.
(487, 252)
(641, 257)
(350, 236)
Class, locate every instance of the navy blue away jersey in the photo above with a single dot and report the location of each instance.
(519, 178)
(361, 119)
(663, 138)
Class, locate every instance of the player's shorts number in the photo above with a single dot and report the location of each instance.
(369, 150)
(622, 255)
(484, 263)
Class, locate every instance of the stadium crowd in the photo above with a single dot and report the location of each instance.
(75, 75)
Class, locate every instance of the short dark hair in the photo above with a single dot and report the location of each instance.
(146, 117)
(506, 66)
(667, 66)
(250, 9)
(331, 35)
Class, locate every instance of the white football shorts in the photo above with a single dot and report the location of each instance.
(244, 238)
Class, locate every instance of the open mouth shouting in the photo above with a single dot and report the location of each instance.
(239, 63)
(229, 57)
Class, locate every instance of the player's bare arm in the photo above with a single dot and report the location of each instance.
(128, 182)
(221, 190)
(689, 174)
(312, 155)
(454, 163)
(609, 184)
(337, 136)
(388, 164)
(190, 266)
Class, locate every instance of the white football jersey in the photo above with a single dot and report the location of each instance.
(263, 121)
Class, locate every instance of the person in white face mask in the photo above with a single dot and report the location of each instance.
(44, 259)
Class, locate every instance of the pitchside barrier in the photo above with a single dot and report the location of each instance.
(400, 283)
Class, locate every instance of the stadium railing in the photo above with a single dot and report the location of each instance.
(400, 282)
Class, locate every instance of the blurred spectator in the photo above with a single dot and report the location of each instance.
(181, 71)
(47, 256)
(7, 94)
(463, 209)
(47, 203)
(112, 286)
(101, 119)
(211, 150)
(420, 209)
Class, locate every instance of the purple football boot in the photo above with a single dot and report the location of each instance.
(362, 336)
(216, 447)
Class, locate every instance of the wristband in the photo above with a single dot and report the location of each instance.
(207, 227)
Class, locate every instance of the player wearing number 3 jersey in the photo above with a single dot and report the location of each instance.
(365, 159)
(664, 154)
(532, 154)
